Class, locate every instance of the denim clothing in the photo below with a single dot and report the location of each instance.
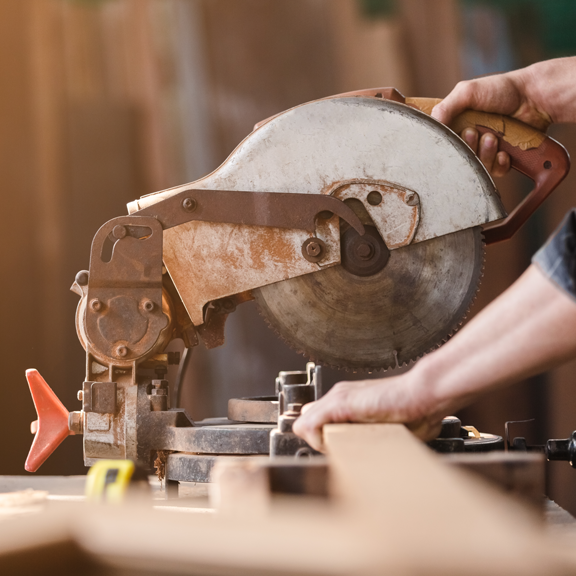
(557, 258)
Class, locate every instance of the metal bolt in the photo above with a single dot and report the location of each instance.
(313, 249)
(189, 204)
(364, 251)
(121, 351)
(96, 305)
(148, 305)
(75, 422)
(411, 198)
(119, 232)
(227, 304)
(80, 395)
(82, 278)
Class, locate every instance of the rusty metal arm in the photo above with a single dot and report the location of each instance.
(273, 209)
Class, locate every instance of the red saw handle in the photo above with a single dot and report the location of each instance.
(545, 161)
(52, 425)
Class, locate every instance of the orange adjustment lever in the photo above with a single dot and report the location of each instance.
(52, 425)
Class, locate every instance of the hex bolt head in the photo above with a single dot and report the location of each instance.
(96, 305)
(119, 232)
(82, 278)
(313, 249)
(148, 305)
(121, 351)
(189, 204)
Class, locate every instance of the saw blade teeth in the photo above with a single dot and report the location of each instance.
(451, 329)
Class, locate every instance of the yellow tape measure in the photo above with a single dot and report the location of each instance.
(110, 480)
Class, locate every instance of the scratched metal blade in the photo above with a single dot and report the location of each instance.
(378, 322)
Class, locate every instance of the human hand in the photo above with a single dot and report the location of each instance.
(399, 399)
(538, 95)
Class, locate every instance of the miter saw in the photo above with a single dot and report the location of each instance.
(358, 224)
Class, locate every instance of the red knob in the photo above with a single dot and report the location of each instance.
(52, 425)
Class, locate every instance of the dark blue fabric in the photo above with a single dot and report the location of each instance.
(557, 258)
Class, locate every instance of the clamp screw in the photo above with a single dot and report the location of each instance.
(121, 351)
(119, 232)
(148, 305)
(80, 395)
(96, 305)
(189, 204)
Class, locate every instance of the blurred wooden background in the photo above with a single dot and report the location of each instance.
(104, 101)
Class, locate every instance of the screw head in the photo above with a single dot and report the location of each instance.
(411, 198)
(82, 277)
(313, 249)
(96, 305)
(148, 305)
(121, 351)
(189, 204)
(119, 232)
(80, 395)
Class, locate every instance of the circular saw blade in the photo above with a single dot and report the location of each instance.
(382, 321)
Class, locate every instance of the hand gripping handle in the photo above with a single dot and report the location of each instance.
(52, 425)
(541, 158)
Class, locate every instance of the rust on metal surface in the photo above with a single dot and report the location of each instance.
(394, 210)
(126, 318)
(227, 259)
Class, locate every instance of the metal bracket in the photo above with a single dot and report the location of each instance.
(272, 209)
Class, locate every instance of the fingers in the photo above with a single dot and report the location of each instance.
(336, 406)
(309, 425)
(486, 147)
(425, 429)
(462, 97)
(500, 94)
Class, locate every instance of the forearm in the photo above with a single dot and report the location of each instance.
(551, 86)
(528, 329)
(537, 95)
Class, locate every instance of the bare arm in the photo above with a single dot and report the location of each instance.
(528, 329)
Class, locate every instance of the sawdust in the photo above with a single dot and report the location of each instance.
(160, 464)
